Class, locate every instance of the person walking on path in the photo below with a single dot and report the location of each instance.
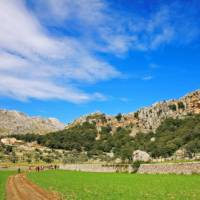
(19, 170)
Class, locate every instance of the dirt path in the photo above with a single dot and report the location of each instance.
(20, 188)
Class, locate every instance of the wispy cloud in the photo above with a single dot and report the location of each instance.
(34, 64)
(147, 78)
(38, 62)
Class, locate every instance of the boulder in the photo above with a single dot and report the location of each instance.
(180, 154)
(139, 155)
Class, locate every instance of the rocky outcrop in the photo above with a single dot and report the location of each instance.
(147, 119)
(150, 118)
(13, 122)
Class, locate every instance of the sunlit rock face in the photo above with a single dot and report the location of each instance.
(147, 119)
(141, 156)
(13, 122)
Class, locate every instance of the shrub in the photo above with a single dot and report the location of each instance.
(181, 105)
(172, 107)
(135, 165)
(119, 117)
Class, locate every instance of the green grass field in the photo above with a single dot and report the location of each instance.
(107, 186)
(3, 178)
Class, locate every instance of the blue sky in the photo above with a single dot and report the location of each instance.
(64, 58)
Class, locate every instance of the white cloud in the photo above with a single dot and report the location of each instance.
(36, 65)
(111, 30)
(147, 78)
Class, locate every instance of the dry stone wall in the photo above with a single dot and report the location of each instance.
(96, 168)
(170, 168)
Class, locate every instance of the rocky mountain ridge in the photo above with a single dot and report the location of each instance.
(14, 122)
(146, 119)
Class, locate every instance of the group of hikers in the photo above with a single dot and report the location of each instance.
(40, 168)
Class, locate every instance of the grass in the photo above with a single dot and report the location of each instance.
(107, 186)
(3, 178)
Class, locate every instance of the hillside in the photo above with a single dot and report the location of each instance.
(166, 130)
(173, 139)
(147, 119)
(13, 122)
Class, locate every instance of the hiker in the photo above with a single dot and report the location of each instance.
(37, 168)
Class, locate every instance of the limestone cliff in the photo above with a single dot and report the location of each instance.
(149, 118)
(13, 122)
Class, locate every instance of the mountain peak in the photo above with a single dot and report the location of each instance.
(14, 122)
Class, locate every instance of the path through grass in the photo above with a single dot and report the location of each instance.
(3, 178)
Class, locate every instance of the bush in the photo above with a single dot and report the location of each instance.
(135, 165)
(172, 107)
(119, 117)
(181, 105)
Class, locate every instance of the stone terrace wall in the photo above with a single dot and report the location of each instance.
(96, 168)
(175, 168)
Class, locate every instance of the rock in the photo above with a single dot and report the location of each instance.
(8, 141)
(139, 155)
(153, 139)
(147, 119)
(180, 154)
(13, 122)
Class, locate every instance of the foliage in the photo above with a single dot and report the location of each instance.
(181, 105)
(118, 117)
(172, 135)
(172, 107)
(136, 165)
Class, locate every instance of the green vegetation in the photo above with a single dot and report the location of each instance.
(181, 105)
(82, 138)
(173, 134)
(17, 154)
(118, 117)
(3, 178)
(172, 107)
(107, 186)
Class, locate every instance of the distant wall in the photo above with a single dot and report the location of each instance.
(96, 167)
(167, 168)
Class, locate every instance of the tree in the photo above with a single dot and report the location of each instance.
(119, 117)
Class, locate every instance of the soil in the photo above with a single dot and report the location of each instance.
(20, 188)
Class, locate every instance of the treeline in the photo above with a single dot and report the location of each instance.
(172, 135)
